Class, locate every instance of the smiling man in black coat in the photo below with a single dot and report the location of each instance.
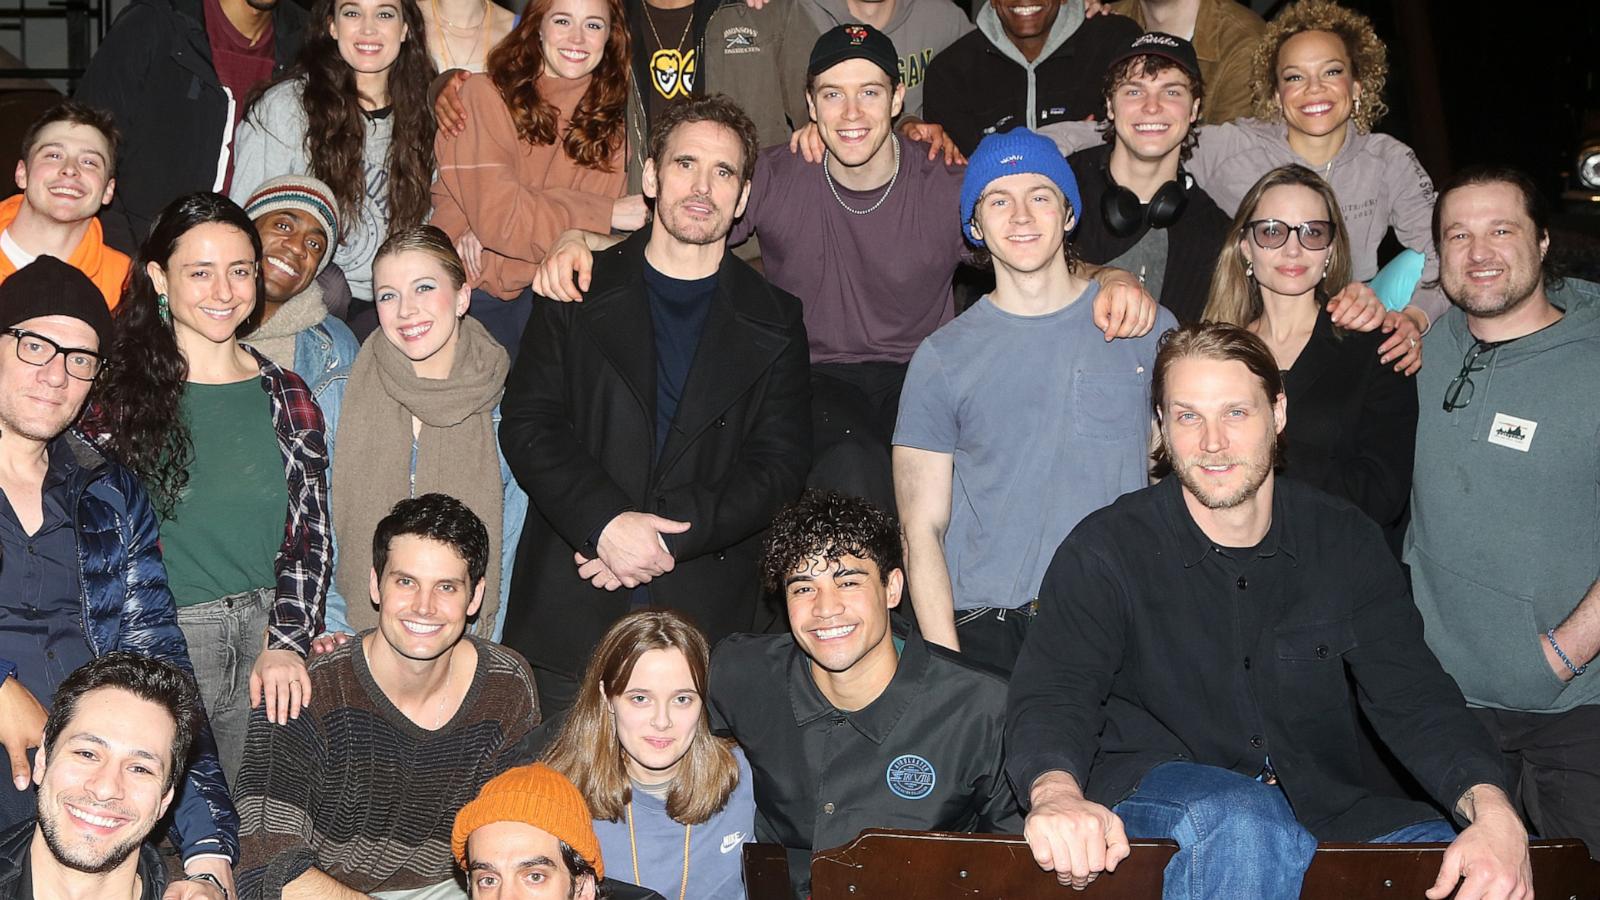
(658, 425)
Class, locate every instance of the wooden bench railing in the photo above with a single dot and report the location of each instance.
(883, 864)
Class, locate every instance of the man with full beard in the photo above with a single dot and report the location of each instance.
(120, 728)
(1504, 516)
(1187, 676)
(660, 424)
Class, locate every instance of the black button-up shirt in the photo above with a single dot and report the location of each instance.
(1153, 644)
(925, 755)
(41, 598)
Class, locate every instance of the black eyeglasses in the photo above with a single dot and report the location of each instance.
(1270, 234)
(1459, 394)
(38, 350)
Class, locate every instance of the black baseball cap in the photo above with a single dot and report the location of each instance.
(845, 42)
(1158, 43)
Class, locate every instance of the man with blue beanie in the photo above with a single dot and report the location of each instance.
(1018, 418)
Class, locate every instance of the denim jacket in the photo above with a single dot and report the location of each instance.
(515, 508)
(321, 351)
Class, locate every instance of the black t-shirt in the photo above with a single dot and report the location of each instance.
(677, 315)
(669, 51)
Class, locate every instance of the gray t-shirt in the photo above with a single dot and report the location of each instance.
(1047, 422)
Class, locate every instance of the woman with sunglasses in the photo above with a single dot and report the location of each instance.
(230, 447)
(1318, 80)
(1352, 420)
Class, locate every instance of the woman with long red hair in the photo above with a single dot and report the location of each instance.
(543, 151)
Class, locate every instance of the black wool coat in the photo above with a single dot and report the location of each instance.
(578, 430)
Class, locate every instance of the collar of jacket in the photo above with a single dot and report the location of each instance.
(620, 270)
(16, 842)
(1067, 22)
(288, 27)
(876, 720)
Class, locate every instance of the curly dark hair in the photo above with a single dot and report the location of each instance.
(829, 525)
(1149, 66)
(336, 125)
(136, 414)
(599, 124)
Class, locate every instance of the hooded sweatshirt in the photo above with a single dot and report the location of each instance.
(1378, 180)
(106, 267)
(982, 83)
(1505, 505)
(920, 29)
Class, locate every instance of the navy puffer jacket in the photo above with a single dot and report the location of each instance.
(127, 606)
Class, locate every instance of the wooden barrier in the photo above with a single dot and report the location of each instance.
(884, 864)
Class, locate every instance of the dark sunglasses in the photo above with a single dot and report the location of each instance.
(1270, 234)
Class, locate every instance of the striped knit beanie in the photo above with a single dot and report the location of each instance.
(304, 193)
(534, 795)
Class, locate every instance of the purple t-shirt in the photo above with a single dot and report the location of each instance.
(873, 286)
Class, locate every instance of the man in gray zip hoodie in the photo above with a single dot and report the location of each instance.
(1504, 545)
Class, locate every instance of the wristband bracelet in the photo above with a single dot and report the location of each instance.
(1576, 670)
(214, 881)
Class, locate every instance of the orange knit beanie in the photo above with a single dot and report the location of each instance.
(535, 795)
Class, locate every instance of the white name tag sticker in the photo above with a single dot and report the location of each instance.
(1510, 431)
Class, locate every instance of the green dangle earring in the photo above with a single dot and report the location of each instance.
(163, 309)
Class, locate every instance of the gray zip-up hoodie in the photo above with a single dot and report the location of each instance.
(1378, 180)
(1067, 22)
(919, 30)
(1505, 503)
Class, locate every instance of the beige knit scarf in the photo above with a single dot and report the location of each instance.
(456, 454)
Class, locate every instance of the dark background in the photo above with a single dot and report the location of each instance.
(1504, 82)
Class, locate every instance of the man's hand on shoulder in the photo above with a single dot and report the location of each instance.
(807, 141)
(1123, 308)
(448, 110)
(564, 273)
(1073, 837)
(21, 728)
(1490, 859)
(935, 137)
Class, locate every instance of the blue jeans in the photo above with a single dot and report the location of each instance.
(1237, 837)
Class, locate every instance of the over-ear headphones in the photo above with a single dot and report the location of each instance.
(1124, 214)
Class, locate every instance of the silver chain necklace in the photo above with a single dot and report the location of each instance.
(892, 179)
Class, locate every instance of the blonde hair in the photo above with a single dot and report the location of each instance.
(1235, 297)
(589, 752)
(1369, 59)
(429, 239)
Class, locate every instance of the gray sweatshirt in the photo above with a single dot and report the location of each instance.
(1378, 180)
(1505, 504)
(272, 142)
(918, 28)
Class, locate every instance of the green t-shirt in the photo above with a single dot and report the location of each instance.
(224, 535)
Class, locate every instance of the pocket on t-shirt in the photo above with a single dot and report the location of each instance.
(1110, 405)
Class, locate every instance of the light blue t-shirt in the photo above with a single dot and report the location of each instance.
(716, 846)
(1046, 421)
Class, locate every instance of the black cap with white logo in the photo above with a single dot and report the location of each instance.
(1156, 43)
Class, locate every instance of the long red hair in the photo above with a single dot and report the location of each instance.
(599, 124)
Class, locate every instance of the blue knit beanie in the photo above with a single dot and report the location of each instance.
(1013, 153)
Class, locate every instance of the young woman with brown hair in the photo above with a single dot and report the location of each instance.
(672, 803)
(353, 112)
(543, 151)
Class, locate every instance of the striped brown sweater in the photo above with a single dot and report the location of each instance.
(358, 791)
